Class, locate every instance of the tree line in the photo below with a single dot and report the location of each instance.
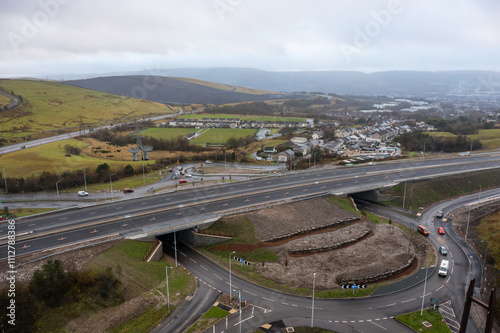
(415, 141)
(53, 286)
(46, 181)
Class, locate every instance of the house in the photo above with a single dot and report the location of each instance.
(299, 140)
(269, 150)
(317, 135)
(284, 156)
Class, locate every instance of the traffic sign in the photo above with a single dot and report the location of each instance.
(354, 286)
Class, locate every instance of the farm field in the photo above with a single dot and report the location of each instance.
(490, 138)
(51, 157)
(242, 117)
(50, 106)
(220, 135)
(166, 133)
(4, 101)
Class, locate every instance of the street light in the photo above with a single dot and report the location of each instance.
(57, 189)
(84, 179)
(230, 285)
(111, 182)
(168, 293)
(425, 285)
(312, 314)
(175, 247)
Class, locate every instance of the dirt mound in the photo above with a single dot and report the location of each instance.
(285, 219)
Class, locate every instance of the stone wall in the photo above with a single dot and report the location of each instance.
(195, 239)
(331, 247)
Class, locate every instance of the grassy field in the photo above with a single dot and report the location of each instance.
(242, 117)
(226, 87)
(490, 138)
(166, 133)
(441, 134)
(4, 101)
(48, 106)
(51, 157)
(220, 135)
(414, 320)
(489, 232)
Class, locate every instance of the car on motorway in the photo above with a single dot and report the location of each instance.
(128, 190)
(441, 230)
(443, 250)
(439, 214)
(170, 170)
(182, 181)
(82, 193)
(208, 162)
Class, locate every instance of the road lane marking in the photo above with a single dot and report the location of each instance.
(217, 276)
(193, 260)
(30, 225)
(408, 300)
(204, 267)
(439, 288)
(118, 208)
(293, 304)
(182, 254)
(385, 329)
(249, 292)
(272, 300)
(63, 218)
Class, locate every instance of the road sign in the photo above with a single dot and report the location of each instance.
(354, 286)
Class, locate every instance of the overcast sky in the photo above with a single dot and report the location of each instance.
(54, 37)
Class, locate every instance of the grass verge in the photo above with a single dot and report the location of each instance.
(414, 321)
(213, 315)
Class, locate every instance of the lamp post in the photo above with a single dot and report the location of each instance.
(57, 189)
(425, 285)
(230, 285)
(111, 182)
(175, 247)
(312, 313)
(168, 292)
(84, 179)
(479, 200)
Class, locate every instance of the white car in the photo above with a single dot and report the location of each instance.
(82, 194)
(208, 162)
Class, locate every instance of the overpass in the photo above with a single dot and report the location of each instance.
(193, 208)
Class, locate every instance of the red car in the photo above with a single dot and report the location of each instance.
(183, 181)
(441, 230)
(170, 170)
(128, 190)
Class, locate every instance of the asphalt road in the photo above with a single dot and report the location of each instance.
(186, 208)
(371, 314)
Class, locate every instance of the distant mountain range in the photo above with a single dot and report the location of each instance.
(390, 83)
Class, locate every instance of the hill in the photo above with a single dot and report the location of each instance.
(174, 90)
(50, 106)
(480, 84)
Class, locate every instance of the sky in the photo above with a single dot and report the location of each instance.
(47, 38)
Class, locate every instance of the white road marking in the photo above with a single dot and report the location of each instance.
(91, 213)
(439, 288)
(182, 254)
(272, 300)
(118, 208)
(249, 292)
(63, 218)
(193, 260)
(144, 203)
(409, 300)
(385, 329)
(284, 303)
(30, 225)
(217, 276)
(448, 279)
(294, 305)
(204, 267)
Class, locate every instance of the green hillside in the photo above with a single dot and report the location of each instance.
(51, 106)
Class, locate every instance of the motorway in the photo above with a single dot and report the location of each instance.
(164, 213)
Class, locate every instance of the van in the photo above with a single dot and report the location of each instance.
(443, 268)
(439, 214)
(82, 194)
(423, 230)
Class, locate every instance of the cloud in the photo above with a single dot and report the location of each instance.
(52, 36)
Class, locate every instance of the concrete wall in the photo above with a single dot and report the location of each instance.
(195, 239)
(158, 253)
(373, 195)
